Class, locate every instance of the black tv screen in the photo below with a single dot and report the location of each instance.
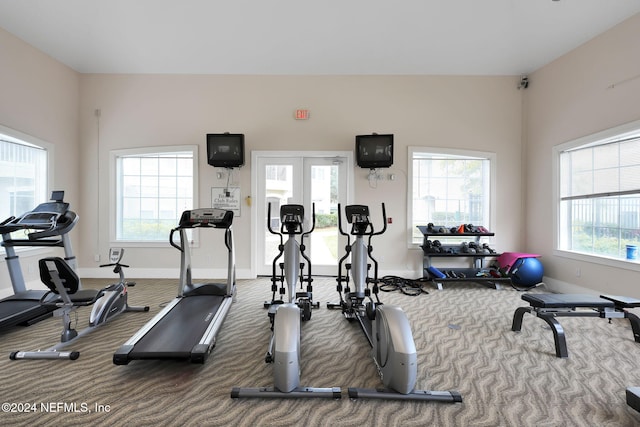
(225, 150)
(374, 151)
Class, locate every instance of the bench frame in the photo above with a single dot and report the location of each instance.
(607, 307)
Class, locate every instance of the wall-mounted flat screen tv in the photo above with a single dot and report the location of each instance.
(225, 150)
(374, 151)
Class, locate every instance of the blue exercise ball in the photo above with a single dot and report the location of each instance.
(526, 272)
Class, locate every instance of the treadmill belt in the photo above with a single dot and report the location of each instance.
(180, 330)
(22, 309)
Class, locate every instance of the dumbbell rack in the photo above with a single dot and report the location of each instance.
(476, 273)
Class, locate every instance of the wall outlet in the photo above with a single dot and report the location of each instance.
(96, 257)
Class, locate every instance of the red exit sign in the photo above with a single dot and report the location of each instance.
(301, 114)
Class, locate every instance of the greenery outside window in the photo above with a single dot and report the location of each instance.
(448, 188)
(599, 189)
(153, 186)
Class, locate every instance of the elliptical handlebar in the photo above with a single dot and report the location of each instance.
(384, 223)
(269, 220)
(340, 222)
(377, 233)
(313, 220)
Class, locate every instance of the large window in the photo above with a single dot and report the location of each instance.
(449, 188)
(153, 187)
(599, 208)
(23, 173)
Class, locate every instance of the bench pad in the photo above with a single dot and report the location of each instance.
(566, 300)
(622, 301)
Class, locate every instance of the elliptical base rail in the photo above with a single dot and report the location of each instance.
(429, 395)
(271, 392)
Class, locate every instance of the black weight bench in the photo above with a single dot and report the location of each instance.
(549, 306)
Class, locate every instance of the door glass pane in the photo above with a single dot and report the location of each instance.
(278, 191)
(324, 194)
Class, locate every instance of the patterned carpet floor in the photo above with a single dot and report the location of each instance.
(462, 334)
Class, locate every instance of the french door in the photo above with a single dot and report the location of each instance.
(320, 179)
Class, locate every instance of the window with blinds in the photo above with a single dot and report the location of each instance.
(24, 168)
(600, 196)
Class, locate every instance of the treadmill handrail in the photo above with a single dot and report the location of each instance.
(173, 313)
(181, 247)
(8, 220)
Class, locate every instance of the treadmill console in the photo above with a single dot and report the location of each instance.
(44, 220)
(206, 217)
(45, 216)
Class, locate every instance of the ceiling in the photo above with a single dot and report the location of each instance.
(452, 37)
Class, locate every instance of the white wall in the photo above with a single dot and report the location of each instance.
(567, 99)
(40, 97)
(479, 113)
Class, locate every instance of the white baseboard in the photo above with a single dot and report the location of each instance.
(161, 273)
(198, 273)
(560, 287)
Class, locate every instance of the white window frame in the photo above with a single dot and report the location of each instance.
(13, 135)
(614, 133)
(113, 166)
(490, 156)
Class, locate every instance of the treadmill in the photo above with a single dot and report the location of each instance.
(186, 328)
(47, 225)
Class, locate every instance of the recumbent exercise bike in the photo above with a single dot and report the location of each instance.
(107, 303)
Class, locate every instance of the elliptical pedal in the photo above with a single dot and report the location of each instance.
(424, 395)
